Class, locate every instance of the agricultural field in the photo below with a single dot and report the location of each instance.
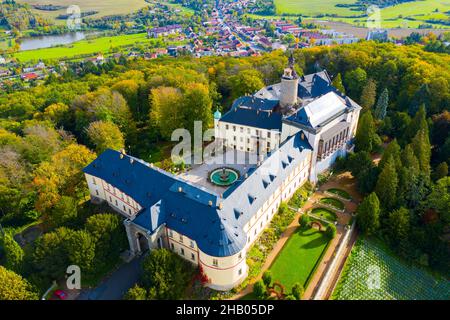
(372, 272)
(104, 7)
(405, 15)
(299, 257)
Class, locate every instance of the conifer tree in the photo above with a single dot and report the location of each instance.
(422, 149)
(365, 135)
(387, 185)
(382, 105)
(368, 94)
(368, 214)
(392, 150)
(337, 83)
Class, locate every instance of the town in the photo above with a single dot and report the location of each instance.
(234, 150)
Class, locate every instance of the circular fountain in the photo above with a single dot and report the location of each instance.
(223, 176)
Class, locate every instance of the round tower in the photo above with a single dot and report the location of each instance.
(289, 86)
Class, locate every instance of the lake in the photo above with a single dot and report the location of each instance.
(32, 43)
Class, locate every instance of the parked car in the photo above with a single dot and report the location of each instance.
(61, 295)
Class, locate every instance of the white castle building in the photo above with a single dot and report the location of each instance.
(212, 214)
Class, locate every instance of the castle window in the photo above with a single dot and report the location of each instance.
(129, 211)
(181, 238)
(117, 204)
(268, 134)
(172, 247)
(93, 181)
(110, 199)
(192, 244)
(96, 192)
(240, 255)
(170, 234)
(192, 257)
(248, 130)
(234, 128)
(227, 127)
(124, 208)
(215, 263)
(242, 129)
(240, 271)
(182, 251)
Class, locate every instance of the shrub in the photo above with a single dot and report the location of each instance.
(297, 291)
(136, 293)
(331, 231)
(304, 220)
(267, 278)
(259, 289)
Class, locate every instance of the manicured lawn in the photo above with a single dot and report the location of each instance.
(324, 214)
(297, 260)
(335, 203)
(341, 193)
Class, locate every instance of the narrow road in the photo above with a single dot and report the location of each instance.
(117, 284)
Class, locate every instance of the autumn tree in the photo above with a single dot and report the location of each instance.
(247, 81)
(105, 135)
(62, 175)
(14, 287)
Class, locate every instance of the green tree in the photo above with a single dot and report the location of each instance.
(382, 105)
(420, 99)
(398, 228)
(259, 289)
(298, 290)
(368, 214)
(409, 159)
(105, 135)
(355, 81)
(365, 138)
(197, 106)
(14, 287)
(109, 235)
(331, 231)
(387, 184)
(247, 81)
(136, 293)
(167, 273)
(439, 199)
(166, 112)
(422, 150)
(441, 171)
(419, 122)
(64, 211)
(392, 150)
(368, 94)
(80, 248)
(267, 278)
(337, 83)
(13, 253)
(129, 89)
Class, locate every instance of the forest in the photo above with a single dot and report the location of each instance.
(50, 132)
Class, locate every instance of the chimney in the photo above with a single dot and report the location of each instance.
(220, 206)
(180, 189)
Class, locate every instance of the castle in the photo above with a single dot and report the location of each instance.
(297, 128)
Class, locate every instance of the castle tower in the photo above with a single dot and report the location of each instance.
(289, 86)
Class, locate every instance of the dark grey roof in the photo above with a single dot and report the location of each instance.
(253, 118)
